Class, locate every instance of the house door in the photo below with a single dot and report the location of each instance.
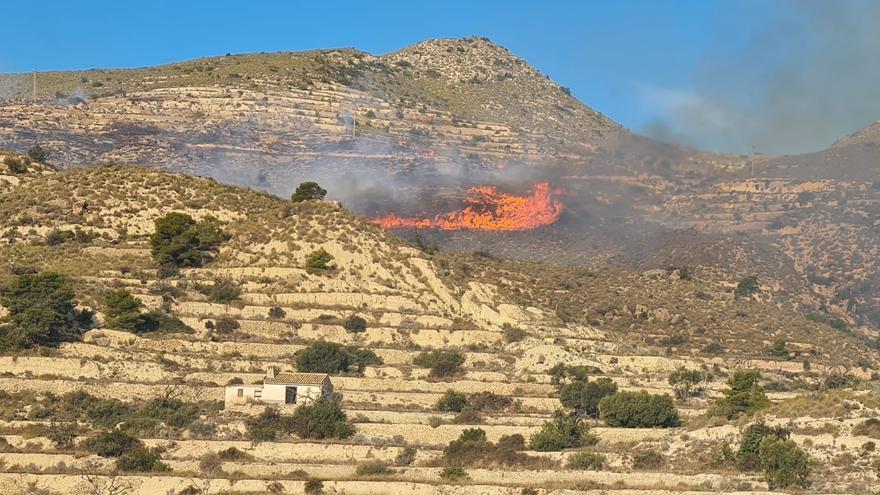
(290, 395)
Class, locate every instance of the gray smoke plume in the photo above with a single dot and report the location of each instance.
(809, 77)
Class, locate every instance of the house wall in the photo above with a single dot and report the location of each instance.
(274, 393)
(230, 395)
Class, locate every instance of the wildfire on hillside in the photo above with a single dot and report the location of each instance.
(491, 210)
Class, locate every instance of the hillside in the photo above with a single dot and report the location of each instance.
(512, 321)
(409, 132)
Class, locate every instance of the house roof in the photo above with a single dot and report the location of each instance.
(297, 378)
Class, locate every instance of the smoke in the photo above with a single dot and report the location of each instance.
(808, 76)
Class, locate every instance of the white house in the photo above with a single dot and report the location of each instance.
(282, 389)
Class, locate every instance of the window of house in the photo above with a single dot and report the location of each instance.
(241, 392)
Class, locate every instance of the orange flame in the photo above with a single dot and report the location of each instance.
(489, 209)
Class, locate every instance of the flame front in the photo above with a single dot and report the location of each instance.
(489, 209)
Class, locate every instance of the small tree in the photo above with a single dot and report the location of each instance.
(318, 261)
(684, 382)
(123, 311)
(112, 443)
(747, 457)
(42, 311)
(784, 463)
(638, 410)
(442, 363)
(746, 286)
(329, 357)
(744, 396)
(583, 397)
(179, 241)
(308, 191)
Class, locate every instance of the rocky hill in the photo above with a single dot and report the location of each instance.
(513, 322)
(409, 132)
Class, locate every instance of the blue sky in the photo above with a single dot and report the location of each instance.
(638, 61)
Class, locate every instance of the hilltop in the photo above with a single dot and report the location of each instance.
(410, 131)
(513, 322)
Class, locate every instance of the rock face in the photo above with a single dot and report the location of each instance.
(410, 131)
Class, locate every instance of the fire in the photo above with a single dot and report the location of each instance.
(489, 209)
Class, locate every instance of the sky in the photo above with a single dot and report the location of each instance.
(776, 76)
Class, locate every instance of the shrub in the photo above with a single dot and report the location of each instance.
(562, 374)
(744, 395)
(41, 311)
(452, 401)
(746, 286)
(685, 381)
(638, 410)
(313, 487)
(563, 432)
(226, 325)
(38, 154)
(747, 457)
(583, 396)
(179, 241)
(783, 462)
(224, 290)
(869, 428)
(15, 165)
(328, 357)
(779, 349)
(372, 468)
(277, 313)
(308, 191)
(58, 236)
(467, 417)
(442, 363)
(233, 454)
(112, 443)
(453, 473)
(648, 459)
(266, 426)
(513, 334)
(512, 442)
(587, 461)
(406, 457)
(489, 401)
(318, 261)
(141, 460)
(322, 418)
(354, 324)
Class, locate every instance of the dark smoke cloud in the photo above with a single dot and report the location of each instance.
(809, 76)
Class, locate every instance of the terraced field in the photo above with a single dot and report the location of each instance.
(411, 302)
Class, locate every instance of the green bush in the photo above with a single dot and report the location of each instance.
(320, 419)
(747, 457)
(226, 325)
(329, 357)
(562, 374)
(224, 290)
(15, 165)
(354, 324)
(308, 191)
(140, 459)
(784, 463)
(453, 401)
(266, 426)
(454, 473)
(744, 395)
(586, 461)
(373, 468)
(513, 334)
(41, 311)
(112, 443)
(583, 397)
(442, 363)
(58, 236)
(563, 432)
(638, 410)
(318, 261)
(277, 313)
(746, 286)
(313, 487)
